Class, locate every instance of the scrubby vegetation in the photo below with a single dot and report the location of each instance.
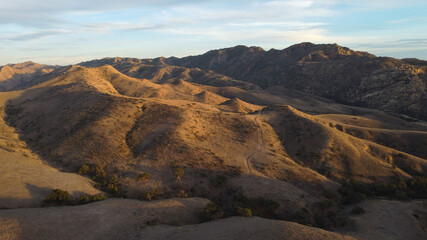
(60, 197)
(210, 212)
(84, 169)
(245, 212)
(83, 199)
(143, 177)
(179, 173)
(259, 206)
(98, 197)
(151, 195)
(401, 189)
(106, 182)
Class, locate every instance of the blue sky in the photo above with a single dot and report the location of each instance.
(67, 32)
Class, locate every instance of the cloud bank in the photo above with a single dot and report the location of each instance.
(87, 29)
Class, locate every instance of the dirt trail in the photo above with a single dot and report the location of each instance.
(260, 143)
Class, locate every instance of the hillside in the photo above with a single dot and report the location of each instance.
(327, 70)
(157, 129)
(13, 76)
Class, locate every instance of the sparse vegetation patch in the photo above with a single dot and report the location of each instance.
(60, 197)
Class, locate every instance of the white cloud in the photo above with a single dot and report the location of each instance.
(269, 23)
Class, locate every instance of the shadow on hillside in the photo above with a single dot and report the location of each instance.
(46, 117)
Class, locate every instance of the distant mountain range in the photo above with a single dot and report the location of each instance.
(326, 70)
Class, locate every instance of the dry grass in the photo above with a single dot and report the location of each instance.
(169, 118)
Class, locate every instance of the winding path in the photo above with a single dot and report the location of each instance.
(260, 143)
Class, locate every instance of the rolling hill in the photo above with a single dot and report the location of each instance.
(285, 134)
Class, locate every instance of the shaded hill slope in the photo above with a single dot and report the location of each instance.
(14, 76)
(326, 147)
(327, 70)
(95, 116)
(156, 70)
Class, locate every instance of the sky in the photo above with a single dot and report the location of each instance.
(70, 31)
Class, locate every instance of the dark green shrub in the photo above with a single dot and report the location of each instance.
(259, 206)
(98, 197)
(418, 187)
(57, 197)
(84, 169)
(112, 188)
(210, 212)
(83, 199)
(100, 175)
(353, 192)
(179, 172)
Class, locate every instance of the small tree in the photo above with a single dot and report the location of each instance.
(179, 173)
(84, 169)
(57, 197)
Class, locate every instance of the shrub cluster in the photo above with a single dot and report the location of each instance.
(353, 192)
(245, 212)
(107, 183)
(210, 212)
(258, 206)
(60, 197)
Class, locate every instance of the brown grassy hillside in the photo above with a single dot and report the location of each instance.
(147, 130)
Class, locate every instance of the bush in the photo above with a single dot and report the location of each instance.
(150, 195)
(98, 197)
(58, 197)
(179, 172)
(353, 192)
(418, 186)
(245, 212)
(259, 206)
(84, 169)
(100, 175)
(401, 189)
(112, 188)
(143, 177)
(83, 199)
(210, 212)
